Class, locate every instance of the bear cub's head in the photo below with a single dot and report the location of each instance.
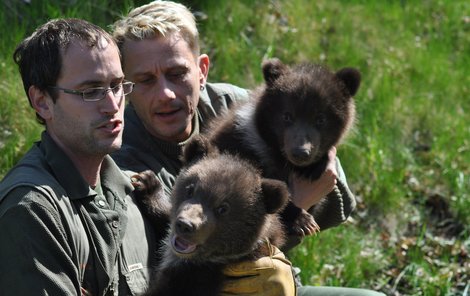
(222, 208)
(305, 109)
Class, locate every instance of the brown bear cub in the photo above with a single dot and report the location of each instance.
(222, 211)
(290, 124)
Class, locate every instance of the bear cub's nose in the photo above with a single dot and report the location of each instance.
(301, 153)
(184, 226)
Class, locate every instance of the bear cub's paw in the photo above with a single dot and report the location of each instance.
(150, 196)
(304, 224)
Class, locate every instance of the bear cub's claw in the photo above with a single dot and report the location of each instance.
(305, 224)
(151, 198)
(146, 184)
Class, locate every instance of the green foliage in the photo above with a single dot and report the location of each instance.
(331, 259)
(408, 158)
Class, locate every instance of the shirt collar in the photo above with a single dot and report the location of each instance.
(138, 136)
(72, 181)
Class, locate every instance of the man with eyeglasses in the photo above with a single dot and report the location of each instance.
(65, 207)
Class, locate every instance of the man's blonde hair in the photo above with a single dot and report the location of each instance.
(158, 18)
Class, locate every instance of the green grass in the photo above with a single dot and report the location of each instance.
(411, 144)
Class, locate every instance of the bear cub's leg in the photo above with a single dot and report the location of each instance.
(152, 201)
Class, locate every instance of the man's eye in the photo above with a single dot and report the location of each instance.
(178, 74)
(147, 80)
(90, 92)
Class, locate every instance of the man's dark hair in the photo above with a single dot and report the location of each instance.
(39, 56)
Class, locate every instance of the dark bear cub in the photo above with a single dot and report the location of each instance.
(222, 211)
(290, 124)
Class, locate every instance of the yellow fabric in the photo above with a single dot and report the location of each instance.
(270, 275)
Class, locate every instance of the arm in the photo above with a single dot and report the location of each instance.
(337, 206)
(306, 193)
(328, 198)
(35, 255)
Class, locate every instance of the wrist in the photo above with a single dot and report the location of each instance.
(301, 203)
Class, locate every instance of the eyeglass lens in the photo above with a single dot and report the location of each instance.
(99, 93)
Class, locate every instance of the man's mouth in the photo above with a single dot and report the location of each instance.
(165, 114)
(112, 127)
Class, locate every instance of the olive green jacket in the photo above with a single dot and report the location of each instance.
(141, 151)
(58, 236)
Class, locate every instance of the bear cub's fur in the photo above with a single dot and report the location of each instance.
(290, 124)
(222, 211)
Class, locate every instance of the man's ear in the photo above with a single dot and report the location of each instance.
(41, 101)
(204, 64)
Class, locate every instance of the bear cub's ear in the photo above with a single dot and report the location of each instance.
(196, 149)
(275, 195)
(272, 70)
(351, 78)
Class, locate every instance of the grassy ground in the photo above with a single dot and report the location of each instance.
(408, 160)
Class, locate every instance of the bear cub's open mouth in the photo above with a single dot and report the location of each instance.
(182, 246)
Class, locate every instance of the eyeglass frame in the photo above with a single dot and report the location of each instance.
(104, 89)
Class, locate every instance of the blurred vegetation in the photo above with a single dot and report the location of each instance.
(408, 159)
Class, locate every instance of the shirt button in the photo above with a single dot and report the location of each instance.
(115, 224)
(101, 203)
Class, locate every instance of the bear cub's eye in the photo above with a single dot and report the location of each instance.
(320, 121)
(288, 118)
(190, 190)
(222, 209)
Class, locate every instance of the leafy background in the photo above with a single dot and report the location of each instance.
(408, 158)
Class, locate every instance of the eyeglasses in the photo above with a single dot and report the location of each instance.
(94, 94)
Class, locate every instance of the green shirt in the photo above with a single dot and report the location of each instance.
(141, 151)
(58, 236)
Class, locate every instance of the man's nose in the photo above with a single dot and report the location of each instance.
(111, 103)
(165, 90)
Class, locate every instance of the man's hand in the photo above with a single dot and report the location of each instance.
(306, 193)
(270, 276)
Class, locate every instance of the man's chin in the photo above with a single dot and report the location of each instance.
(116, 145)
(171, 134)
(110, 147)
